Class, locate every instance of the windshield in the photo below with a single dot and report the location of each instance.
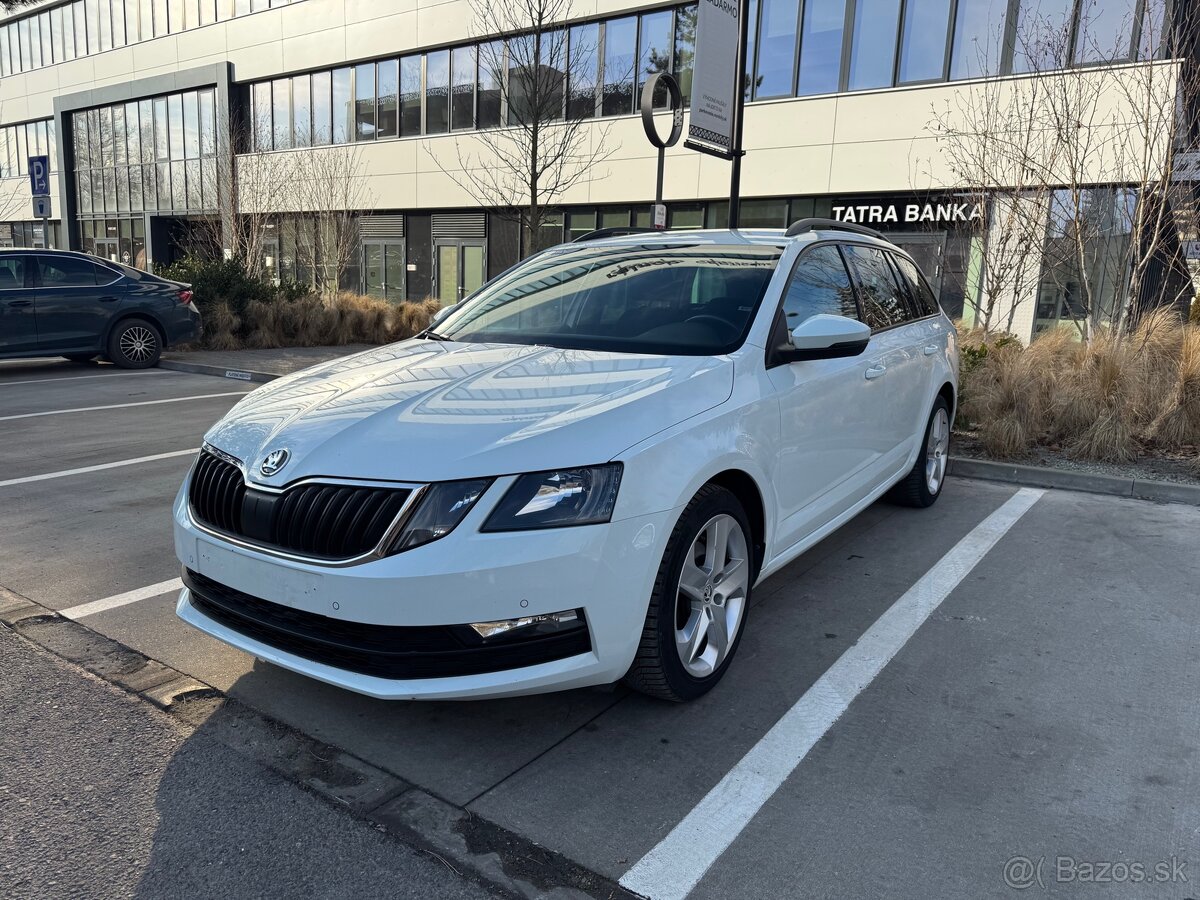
(695, 300)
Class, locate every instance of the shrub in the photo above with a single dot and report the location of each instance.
(1104, 400)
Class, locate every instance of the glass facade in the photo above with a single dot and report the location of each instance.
(86, 27)
(799, 48)
(19, 142)
(603, 68)
(1079, 286)
(152, 155)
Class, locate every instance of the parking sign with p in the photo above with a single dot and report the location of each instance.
(39, 175)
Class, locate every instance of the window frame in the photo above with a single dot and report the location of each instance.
(37, 272)
(778, 334)
(858, 288)
(26, 274)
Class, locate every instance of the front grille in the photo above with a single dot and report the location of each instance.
(383, 651)
(323, 521)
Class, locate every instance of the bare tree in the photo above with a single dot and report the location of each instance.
(331, 190)
(546, 143)
(1085, 156)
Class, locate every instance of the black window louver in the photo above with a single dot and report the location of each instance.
(320, 520)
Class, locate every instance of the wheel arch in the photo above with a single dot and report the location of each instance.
(947, 391)
(742, 485)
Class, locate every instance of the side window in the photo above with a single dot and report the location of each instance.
(67, 271)
(820, 284)
(883, 303)
(12, 272)
(927, 304)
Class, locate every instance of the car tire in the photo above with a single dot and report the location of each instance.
(922, 486)
(135, 344)
(80, 357)
(713, 596)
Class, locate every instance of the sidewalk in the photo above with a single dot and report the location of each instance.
(258, 366)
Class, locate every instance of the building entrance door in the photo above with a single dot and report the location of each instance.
(383, 270)
(459, 270)
(108, 248)
(929, 251)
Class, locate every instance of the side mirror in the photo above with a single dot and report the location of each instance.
(825, 337)
(441, 314)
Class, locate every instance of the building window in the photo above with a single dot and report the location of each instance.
(343, 106)
(1085, 293)
(491, 70)
(322, 109)
(1103, 32)
(281, 102)
(923, 40)
(410, 96)
(873, 48)
(978, 44)
(685, 49)
(583, 71)
(655, 39)
(387, 74)
(462, 92)
(301, 112)
(260, 113)
(364, 102)
(1043, 36)
(437, 92)
(821, 40)
(776, 71)
(620, 43)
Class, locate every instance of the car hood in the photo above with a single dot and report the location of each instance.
(435, 411)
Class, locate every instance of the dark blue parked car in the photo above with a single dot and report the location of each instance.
(60, 303)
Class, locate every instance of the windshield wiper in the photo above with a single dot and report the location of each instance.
(434, 336)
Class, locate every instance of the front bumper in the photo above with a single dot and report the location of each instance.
(607, 571)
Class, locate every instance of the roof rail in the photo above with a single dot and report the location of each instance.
(806, 225)
(618, 231)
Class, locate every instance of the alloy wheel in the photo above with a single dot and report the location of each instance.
(711, 596)
(138, 343)
(936, 450)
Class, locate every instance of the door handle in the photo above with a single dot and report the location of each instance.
(876, 372)
(108, 299)
(929, 350)
(17, 304)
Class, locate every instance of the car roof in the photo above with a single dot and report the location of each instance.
(50, 251)
(776, 237)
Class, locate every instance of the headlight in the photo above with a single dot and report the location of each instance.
(555, 499)
(441, 508)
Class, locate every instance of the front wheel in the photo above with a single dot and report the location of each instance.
(134, 344)
(923, 484)
(701, 596)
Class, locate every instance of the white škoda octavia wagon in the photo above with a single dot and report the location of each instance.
(578, 474)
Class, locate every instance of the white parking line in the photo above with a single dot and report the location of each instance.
(96, 606)
(79, 409)
(81, 377)
(29, 479)
(673, 868)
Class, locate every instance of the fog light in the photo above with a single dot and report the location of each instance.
(530, 626)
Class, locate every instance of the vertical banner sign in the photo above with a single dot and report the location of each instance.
(714, 78)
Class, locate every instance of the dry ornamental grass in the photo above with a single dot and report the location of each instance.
(1110, 399)
(309, 321)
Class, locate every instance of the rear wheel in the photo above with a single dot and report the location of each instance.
(135, 344)
(923, 485)
(701, 596)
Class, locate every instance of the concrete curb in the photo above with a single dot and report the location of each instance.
(1064, 479)
(179, 365)
(474, 848)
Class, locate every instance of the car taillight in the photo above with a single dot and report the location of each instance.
(185, 297)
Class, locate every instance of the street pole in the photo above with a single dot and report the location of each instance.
(739, 105)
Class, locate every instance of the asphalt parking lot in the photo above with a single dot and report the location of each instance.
(921, 704)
